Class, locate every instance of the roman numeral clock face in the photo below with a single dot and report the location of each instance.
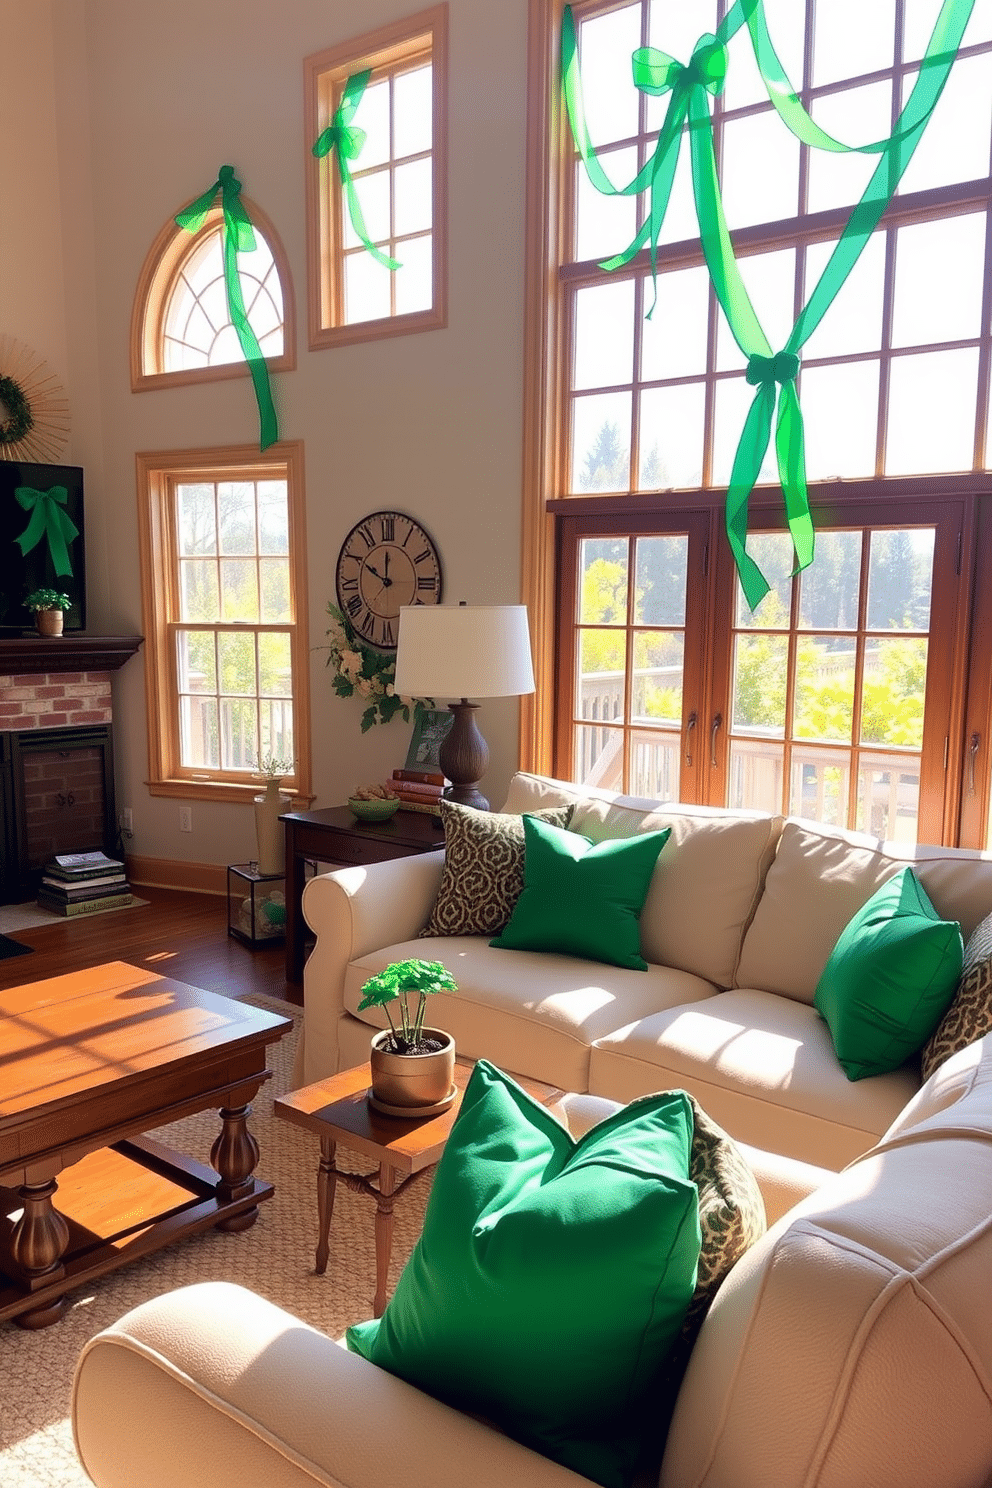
(386, 561)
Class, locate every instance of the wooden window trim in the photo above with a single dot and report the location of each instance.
(545, 513)
(389, 49)
(154, 472)
(165, 257)
(975, 758)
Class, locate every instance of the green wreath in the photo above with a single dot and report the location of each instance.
(20, 420)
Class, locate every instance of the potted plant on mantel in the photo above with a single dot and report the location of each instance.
(48, 606)
(413, 1066)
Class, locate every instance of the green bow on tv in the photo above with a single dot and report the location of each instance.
(48, 519)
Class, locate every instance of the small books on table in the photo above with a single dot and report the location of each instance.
(418, 790)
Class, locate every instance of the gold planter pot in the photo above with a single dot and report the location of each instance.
(408, 1083)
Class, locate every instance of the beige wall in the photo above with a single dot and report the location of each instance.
(122, 110)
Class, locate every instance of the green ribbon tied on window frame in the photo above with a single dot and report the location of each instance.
(773, 375)
(49, 519)
(237, 236)
(349, 141)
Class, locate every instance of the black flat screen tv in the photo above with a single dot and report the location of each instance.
(20, 573)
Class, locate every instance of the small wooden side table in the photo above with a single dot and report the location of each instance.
(336, 1110)
(334, 835)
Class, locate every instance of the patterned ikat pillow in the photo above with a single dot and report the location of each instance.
(969, 1016)
(483, 875)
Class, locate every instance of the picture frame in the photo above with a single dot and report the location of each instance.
(429, 732)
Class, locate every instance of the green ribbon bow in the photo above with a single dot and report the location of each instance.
(48, 519)
(237, 236)
(349, 141)
(656, 71)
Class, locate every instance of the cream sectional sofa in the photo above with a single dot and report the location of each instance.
(851, 1347)
(742, 913)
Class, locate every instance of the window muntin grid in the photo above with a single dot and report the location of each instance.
(398, 176)
(887, 347)
(231, 629)
(197, 329)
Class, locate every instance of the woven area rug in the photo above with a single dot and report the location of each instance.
(274, 1258)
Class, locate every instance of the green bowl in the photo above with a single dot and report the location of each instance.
(373, 810)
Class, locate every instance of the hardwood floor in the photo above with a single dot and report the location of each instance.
(179, 934)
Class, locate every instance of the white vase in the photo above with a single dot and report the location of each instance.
(269, 830)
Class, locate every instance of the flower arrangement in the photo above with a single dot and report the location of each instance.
(273, 766)
(47, 599)
(360, 669)
(401, 980)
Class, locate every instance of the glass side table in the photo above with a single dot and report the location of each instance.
(256, 905)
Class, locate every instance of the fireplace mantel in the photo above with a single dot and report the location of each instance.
(74, 651)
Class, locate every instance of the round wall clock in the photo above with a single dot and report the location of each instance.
(386, 561)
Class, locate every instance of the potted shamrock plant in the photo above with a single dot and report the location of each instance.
(413, 1065)
(48, 606)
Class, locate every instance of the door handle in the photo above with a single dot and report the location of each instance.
(713, 733)
(972, 752)
(688, 736)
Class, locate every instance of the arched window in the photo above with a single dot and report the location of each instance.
(181, 330)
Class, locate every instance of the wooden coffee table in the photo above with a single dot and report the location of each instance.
(336, 1110)
(89, 1062)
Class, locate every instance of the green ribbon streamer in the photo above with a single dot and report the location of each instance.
(654, 72)
(48, 519)
(774, 376)
(729, 287)
(237, 236)
(349, 141)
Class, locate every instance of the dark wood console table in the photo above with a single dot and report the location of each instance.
(334, 835)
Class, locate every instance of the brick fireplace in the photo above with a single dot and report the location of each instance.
(56, 752)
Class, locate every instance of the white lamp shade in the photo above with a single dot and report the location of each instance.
(463, 651)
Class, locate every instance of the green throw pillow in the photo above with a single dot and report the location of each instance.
(552, 1275)
(889, 978)
(580, 898)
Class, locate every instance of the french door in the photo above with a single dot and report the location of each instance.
(834, 699)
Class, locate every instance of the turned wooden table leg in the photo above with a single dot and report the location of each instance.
(327, 1180)
(383, 1234)
(235, 1155)
(37, 1244)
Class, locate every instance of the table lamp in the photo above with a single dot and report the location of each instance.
(462, 651)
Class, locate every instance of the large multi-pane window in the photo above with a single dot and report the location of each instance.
(376, 196)
(843, 694)
(227, 657)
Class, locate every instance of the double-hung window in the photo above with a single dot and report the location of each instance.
(225, 605)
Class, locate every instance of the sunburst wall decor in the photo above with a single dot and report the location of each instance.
(34, 410)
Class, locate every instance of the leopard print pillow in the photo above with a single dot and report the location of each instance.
(483, 874)
(969, 1016)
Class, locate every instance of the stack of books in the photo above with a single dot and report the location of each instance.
(418, 790)
(82, 883)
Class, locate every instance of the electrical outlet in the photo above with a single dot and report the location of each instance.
(185, 818)
(127, 819)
